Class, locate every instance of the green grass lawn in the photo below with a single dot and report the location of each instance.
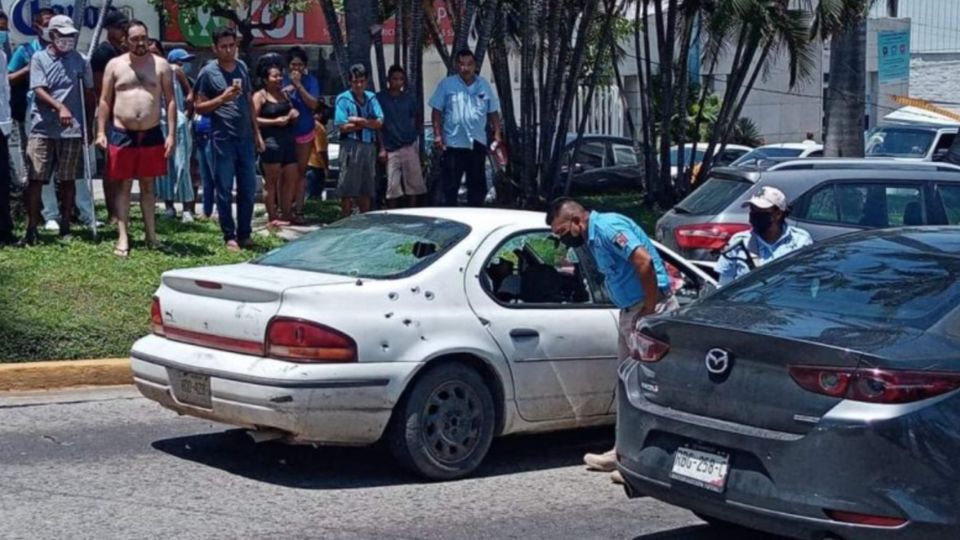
(78, 300)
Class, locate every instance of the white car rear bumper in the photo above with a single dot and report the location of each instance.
(322, 403)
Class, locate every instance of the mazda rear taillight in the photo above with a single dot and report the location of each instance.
(156, 317)
(647, 349)
(297, 340)
(865, 519)
(709, 236)
(874, 385)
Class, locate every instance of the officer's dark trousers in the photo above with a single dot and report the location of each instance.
(456, 162)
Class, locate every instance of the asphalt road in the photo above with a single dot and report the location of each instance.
(107, 463)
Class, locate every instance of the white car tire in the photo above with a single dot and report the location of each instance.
(442, 429)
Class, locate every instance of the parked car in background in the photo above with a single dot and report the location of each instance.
(910, 141)
(731, 153)
(432, 329)
(828, 198)
(602, 163)
(814, 397)
(778, 151)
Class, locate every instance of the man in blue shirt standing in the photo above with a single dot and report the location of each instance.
(359, 117)
(462, 105)
(223, 93)
(769, 238)
(635, 277)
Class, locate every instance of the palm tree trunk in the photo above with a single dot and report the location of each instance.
(682, 183)
(376, 36)
(415, 60)
(336, 36)
(462, 38)
(527, 104)
(570, 91)
(666, 32)
(487, 20)
(845, 100)
(646, 116)
(606, 35)
(399, 43)
(359, 19)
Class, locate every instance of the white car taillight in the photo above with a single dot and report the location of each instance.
(297, 340)
(156, 317)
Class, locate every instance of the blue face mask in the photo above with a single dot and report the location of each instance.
(187, 68)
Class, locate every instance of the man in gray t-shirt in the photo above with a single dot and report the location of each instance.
(58, 75)
(223, 94)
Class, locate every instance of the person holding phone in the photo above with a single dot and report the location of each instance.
(224, 93)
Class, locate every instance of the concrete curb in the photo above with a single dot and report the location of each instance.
(65, 374)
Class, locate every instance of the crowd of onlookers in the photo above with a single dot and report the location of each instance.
(207, 134)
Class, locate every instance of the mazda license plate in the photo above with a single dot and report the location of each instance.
(707, 470)
(192, 388)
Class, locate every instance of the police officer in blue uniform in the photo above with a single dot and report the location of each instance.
(770, 236)
(634, 276)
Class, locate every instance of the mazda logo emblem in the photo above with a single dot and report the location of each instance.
(718, 361)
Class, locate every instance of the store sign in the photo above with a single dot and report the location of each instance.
(306, 28)
(21, 17)
(893, 57)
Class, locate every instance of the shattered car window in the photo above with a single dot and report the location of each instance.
(379, 246)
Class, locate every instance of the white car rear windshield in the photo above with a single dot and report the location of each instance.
(375, 246)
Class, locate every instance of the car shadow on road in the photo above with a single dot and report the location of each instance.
(708, 532)
(324, 467)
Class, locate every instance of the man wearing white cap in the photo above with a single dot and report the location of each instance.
(770, 237)
(58, 76)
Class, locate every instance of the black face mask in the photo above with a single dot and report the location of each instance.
(761, 221)
(571, 241)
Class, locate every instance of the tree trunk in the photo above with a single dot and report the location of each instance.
(336, 36)
(488, 18)
(666, 29)
(376, 36)
(527, 105)
(605, 35)
(359, 19)
(650, 170)
(570, 92)
(462, 38)
(682, 183)
(399, 39)
(845, 100)
(414, 47)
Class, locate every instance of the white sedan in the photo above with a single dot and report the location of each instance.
(435, 329)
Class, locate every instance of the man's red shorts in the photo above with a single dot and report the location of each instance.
(136, 154)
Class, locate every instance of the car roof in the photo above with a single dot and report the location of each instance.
(792, 146)
(601, 137)
(481, 219)
(704, 146)
(864, 164)
(919, 125)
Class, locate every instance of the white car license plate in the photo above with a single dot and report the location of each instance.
(192, 388)
(707, 470)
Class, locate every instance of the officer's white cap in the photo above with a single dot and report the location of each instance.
(768, 197)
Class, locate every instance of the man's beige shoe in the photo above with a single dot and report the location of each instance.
(616, 478)
(605, 462)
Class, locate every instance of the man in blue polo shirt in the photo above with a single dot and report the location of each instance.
(462, 105)
(634, 275)
(359, 117)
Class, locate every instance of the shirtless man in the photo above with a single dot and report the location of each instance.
(133, 84)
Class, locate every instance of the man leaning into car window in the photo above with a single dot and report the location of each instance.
(769, 238)
(634, 276)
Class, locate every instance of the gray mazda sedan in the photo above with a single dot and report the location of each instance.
(816, 397)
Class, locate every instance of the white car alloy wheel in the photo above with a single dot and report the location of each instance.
(443, 429)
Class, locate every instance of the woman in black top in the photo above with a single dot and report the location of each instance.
(276, 117)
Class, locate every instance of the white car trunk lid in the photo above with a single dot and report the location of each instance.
(229, 307)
